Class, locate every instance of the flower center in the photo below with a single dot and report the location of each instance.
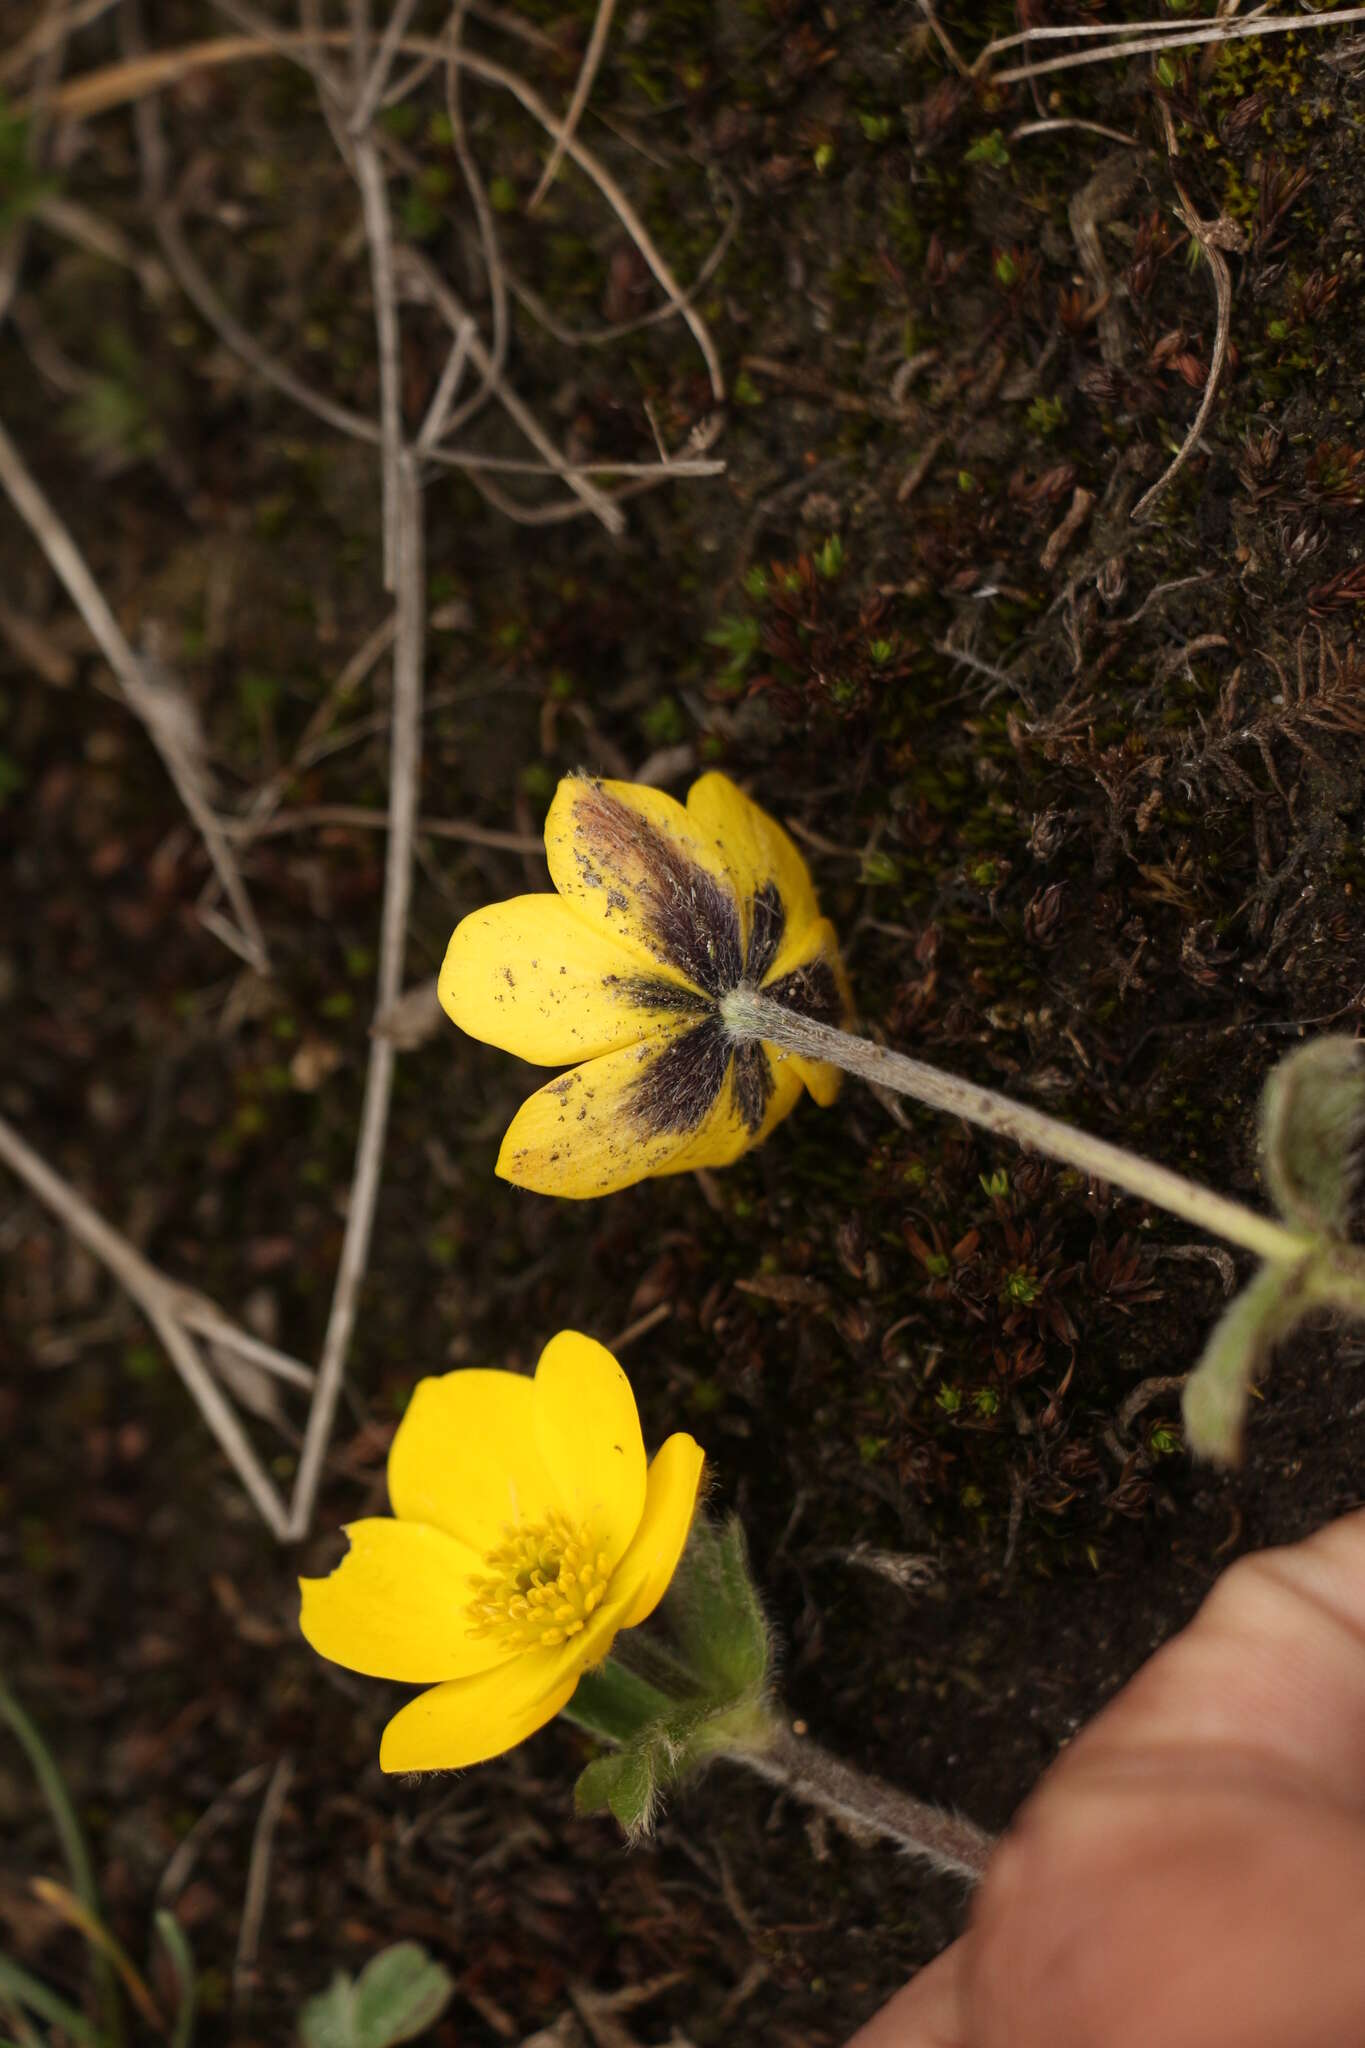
(541, 1584)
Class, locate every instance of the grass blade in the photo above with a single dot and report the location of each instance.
(53, 1788)
(35, 1997)
(182, 1962)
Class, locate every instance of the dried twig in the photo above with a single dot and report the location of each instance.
(440, 295)
(172, 1311)
(53, 27)
(379, 235)
(404, 761)
(258, 1882)
(1213, 237)
(118, 83)
(492, 367)
(378, 77)
(144, 699)
(313, 816)
(592, 58)
(1138, 38)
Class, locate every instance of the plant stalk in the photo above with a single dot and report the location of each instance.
(812, 1775)
(749, 1014)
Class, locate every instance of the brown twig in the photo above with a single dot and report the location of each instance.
(146, 701)
(313, 816)
(1213, 237)
(172, 1310)
(592, 58)
(119, 83)
(258, 1882)
(1143, 37)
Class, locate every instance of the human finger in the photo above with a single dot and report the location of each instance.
(1191, 1868)
(925, 2013)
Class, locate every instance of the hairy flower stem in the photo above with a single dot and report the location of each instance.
(749, 1014)
(812, 1775)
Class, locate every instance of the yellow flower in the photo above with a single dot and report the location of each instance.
(528, 1531)
(661, 912)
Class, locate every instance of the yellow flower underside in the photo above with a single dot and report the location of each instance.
(584, 977)
(528, 1531)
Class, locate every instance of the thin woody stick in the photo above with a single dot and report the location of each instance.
(38, 514)
(592, 58)
(165, 1306)
(405, 756)
(119, 83)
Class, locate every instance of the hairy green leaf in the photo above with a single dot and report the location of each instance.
(398, 1995)
(1217, 1391)
(1312, 1125)
(714, 1613)
(624, 1785)
(326, 2021)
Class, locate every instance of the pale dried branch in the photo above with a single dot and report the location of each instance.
(53, 27)
(592, 59)
(147, 701)
(490, 247)
(379, 236)
(439, 294)
(204, 298)
(316, 815)
(1138, 38)
(373, 89)
(404, 767)
(100, 237)
(119, 83)
(601, 337)
(1213, 237)
(258, 1882)
(172, 1311)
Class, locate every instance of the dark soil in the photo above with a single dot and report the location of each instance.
(1086, 805)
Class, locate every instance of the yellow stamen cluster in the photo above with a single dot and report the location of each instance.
(542, 1583)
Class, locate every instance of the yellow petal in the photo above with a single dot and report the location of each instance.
(641, 1579)
(582, 1134)
(823, 1080)
(465, 1457)
(757, 855)
(540, 981)
(818, 952)
(634, 863)
(471, 1719)
(588, 1433)
(395, 1607)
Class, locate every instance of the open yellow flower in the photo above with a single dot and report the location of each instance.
(661, 912)
(527, 1531)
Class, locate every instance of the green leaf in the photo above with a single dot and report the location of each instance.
(17, 1987)
(182, 1962)
(1312, 1124)
(714, 1614)
(1216, 1394)
(327, 2020)
(988, 149)
(53, 1788)
(398, 1995)
(624, 1785)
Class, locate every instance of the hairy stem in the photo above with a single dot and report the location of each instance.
(751, 1015)
(812, 1775)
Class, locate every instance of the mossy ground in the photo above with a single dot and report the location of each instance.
(1088, 810)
